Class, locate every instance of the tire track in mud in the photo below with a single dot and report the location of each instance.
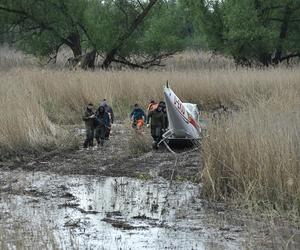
(115, 159)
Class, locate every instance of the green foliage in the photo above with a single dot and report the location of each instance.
(41, 27)
(207, 23)
(102, 22)
(164, 31)
(252, 31)
(160, 33)
(246, 35)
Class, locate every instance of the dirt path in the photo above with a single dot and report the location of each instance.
(117, 159)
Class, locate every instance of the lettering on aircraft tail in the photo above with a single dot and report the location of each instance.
(181, 109)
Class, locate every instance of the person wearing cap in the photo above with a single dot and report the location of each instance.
(138, 117)
(89, 120)
(110, 112)
(157, 124)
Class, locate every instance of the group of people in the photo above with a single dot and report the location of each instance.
(156, 118)
(98, 123)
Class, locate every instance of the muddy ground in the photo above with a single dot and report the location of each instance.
(127, 153)
(120, 197)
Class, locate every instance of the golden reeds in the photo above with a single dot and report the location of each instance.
(251, 152)
(254, 155)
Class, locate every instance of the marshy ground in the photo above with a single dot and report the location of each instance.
(120, 197)
(127, 154)
(56, 196)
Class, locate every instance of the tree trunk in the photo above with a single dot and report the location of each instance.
(73, 41)
(265, 58)
(109, 58)
(122, 39)
(283, 34)
(89, 60)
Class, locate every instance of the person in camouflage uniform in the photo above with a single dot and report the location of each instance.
(89, 119)
(157, 124)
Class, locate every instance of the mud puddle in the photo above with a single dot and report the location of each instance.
(43, 210)
(118, 197)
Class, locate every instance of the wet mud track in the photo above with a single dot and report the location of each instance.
(116, 158)
(115, 198)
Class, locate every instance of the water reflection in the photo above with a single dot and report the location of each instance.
(88, 212)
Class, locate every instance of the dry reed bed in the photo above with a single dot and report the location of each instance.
(12, 58)
(252, 154)
(198, 60)
(32, 99)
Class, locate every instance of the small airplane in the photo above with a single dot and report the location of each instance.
(184, 128)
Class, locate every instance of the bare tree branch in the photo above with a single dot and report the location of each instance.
(119, 44)
(143, 62)
(41, 23)
(141, 5)
(287, 57)
(128, 63)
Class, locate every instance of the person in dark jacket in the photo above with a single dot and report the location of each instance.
(110, 112)
(102, 123)
(166, 121)
(89, 119)
(138, 117)
(157, 124)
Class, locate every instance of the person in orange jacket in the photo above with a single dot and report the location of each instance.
(138, 117)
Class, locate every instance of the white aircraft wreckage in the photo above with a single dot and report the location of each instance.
(184, 126)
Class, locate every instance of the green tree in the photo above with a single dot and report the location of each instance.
(161, 35)
(132, 32)
(41, 27)
(262, 32)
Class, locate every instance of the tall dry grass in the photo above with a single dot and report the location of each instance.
(40, 98)
(23, 121)
(12, 58)
(63, 94)
(198, 60)
(185, 61)
(252, 154)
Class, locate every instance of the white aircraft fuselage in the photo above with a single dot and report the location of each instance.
(183, 118)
